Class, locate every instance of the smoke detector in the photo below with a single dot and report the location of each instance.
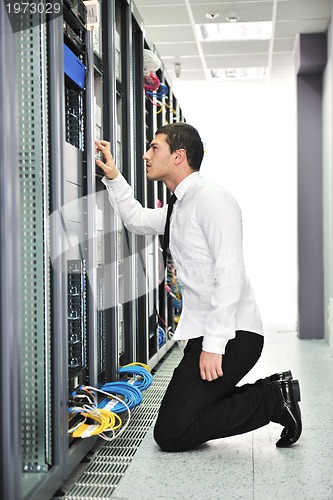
(233, 16)
(212, 15)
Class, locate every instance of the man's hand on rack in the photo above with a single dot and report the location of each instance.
(109, 167)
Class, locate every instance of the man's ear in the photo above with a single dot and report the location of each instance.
(180, 156)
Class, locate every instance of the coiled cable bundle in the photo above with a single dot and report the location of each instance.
(161, 91)
(96, 421)
(130, 394)
(151, 82)
(161, 336)
(100, 417)
(101, 421)
(141, 376)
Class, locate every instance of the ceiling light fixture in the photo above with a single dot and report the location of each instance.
(261, 30)
(238, 73)
(177, 69)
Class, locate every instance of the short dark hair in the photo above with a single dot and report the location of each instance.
(181, 135)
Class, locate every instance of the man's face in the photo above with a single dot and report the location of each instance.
(159, 160)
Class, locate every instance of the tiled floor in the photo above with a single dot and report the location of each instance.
(250, 466)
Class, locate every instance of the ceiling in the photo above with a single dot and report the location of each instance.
(170, 30)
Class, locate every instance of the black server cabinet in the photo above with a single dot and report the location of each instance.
(124, 160)
(79, 216)
(162, 108)
(139, 185)
(151, 202)
(120, 103)
(58, 325)
(165, 328)
(39, 412)
(83, 297)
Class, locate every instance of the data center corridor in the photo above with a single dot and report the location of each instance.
(82, 297)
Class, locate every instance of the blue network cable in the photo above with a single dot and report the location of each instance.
(161, 92)
(161, 336)
(145, 380)
(132, 395)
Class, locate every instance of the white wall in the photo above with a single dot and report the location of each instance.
(249, 129)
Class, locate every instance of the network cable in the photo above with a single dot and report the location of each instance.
(162, 91)
(120, 397)
(142, 377)
(161, 336)
(131, 395)
(106, 420)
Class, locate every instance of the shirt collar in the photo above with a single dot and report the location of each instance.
(185, 184)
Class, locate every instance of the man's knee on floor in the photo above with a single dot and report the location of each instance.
(165, 441)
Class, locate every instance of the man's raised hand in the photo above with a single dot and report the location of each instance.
(108, 166)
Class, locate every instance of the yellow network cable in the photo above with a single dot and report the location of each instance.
(137, 363)
(113, 418)
(172, 109)
(113, 396)
(106, 421)
(87, 430)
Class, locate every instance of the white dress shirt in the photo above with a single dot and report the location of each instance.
(207, 249)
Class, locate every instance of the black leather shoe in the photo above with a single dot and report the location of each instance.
(276, 377)
(291, 395)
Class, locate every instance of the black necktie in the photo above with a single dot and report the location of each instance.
(166, 237)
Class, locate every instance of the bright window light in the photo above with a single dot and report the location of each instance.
(238, 73)
(261, 30)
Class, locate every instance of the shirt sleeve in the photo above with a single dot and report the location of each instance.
(220, 219)
(135, 217)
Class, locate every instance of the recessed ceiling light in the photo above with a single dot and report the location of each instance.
(261, 30)
(238, 73)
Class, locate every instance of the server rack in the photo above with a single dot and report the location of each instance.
(124, 161)
(174, 298)
(151, 242)
(109, 132)
(168, 297)
(86, 300)
(36, 394)
(139, 185)
(164, 329)
(99, 274)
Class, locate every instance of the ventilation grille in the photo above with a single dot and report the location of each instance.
(110, 462)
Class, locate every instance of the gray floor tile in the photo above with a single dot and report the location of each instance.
(211, 471)
(302, 472)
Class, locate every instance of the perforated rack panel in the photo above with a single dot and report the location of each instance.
(36, 430)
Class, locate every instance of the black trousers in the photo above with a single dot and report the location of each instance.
(194, 411)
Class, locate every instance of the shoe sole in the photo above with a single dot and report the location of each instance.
(282, 376)
(296, 390)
